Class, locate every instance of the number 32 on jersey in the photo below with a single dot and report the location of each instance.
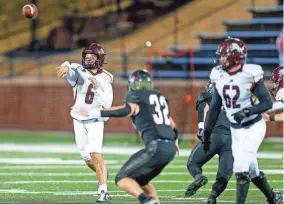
(161, 113)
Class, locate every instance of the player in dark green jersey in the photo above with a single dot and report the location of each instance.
(220, 144)
(149, 113)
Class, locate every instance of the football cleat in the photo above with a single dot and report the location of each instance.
(149, 201)
(192, 188)
(103, 197)
(277, 198)
(211, 200)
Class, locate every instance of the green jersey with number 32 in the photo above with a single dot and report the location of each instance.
(153, 120)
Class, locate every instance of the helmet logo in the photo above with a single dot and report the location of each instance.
(235, 46)
(281, 72)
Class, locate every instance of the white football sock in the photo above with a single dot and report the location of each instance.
(102, 187)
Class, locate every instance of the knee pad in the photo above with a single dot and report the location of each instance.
(243, 178)
(222, 181)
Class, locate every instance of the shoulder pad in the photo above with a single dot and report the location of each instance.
(108, 75)
(255, 70)
(131, 97)
(280, 95)
(203, 96)
(75, 66)
(216, 73)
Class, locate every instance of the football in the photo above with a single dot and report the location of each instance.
(30, 11)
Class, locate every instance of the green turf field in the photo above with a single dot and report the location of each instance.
(32, 175)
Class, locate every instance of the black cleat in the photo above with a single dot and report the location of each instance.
(103, 197)
(211, 200)
(277, 198)
(192, 188)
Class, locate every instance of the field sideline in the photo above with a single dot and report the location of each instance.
(36, 168)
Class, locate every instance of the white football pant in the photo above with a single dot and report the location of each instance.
(245, 144)
(88, 136)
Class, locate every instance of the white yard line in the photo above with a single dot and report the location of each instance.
(68, 148)
(95, 192)
(95, 182)
(46, 161)
(268, 172)
(110, 166)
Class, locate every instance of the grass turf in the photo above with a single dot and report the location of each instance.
(75, 183)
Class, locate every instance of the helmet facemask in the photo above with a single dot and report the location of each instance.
(93, 57)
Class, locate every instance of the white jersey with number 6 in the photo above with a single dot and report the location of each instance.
(86, 97)
(235, 89)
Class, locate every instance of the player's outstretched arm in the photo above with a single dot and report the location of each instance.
(69, 71)
(127, 109)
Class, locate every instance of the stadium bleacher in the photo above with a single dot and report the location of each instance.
(259, 33)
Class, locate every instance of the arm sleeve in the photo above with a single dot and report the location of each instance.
(117, 113)
(105, 96)
(200, 112)
(72, 75)
(213, 113)
(265, 102)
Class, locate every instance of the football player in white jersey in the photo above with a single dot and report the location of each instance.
(235, 83)
(278, 92)
(92, 90)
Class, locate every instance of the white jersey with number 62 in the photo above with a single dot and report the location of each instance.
(235, 89)
(86, 97)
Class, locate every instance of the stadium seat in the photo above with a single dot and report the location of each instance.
(269, 12)
(253, 37)
(261, 24)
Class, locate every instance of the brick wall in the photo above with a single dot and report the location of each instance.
(47, 105)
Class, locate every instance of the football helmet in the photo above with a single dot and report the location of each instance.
(277, 80)
(209, 87)
(234, 52)
(97, 50)
(140, 79)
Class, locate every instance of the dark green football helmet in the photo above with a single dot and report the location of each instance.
(140, 79)
(209, 87)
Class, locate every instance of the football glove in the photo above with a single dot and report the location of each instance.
(240, 115)
(200, 134)
(206, 145)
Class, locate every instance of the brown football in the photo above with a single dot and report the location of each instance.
(30, 11)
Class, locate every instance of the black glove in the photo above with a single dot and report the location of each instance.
(200, 134)
(176, 133)
(240, 115)
(206, 141)
(206, 145)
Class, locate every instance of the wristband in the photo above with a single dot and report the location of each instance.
(272, 117)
